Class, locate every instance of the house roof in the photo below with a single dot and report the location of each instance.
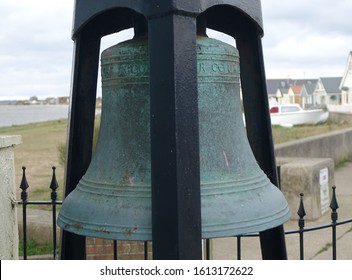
(331, 84)
(310, 88)
(273, 85)
(304, 82)
(284, 84)
(296, 89)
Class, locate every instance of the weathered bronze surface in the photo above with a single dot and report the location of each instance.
(113, 199)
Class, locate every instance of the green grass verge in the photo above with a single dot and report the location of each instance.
(34, 248)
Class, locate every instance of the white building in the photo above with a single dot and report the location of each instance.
(346, 83)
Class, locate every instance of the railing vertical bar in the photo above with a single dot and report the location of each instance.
(301, 223)
(24, 196)
(54, 186)
(24, 220)
(207, 249)
(115, 249)
(334, 217)
(334, 242)
(54, 229)
(239, 257)
(145, 250)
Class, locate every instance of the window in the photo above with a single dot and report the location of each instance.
(289, 109)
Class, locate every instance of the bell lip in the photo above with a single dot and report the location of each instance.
(246, 229)
(207, 231)
(107, 232)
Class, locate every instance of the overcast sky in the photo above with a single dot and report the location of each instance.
(303, 39)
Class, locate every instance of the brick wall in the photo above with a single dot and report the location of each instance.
(101, 249)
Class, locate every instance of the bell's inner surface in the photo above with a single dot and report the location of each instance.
(113, 198)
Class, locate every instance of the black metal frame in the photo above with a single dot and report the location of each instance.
(207, 252)
(174, 116)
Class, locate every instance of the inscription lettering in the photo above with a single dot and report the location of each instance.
(210, 67)
(218, 68)
(128, 69)
(201, 67)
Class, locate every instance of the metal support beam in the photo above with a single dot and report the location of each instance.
(255, 99)
(174, 138)
(81, 127)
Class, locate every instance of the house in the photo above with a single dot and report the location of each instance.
(285, 91)
(277, 88)
(327, 91)
(299, 93)
(283, 97)
(63, 100)
(346, 83)
(309, 99)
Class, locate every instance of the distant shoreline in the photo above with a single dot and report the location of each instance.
(12, 115)
(24, 114)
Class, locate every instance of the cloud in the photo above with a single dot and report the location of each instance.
(306, 38)
(35, 48)
(301, 38)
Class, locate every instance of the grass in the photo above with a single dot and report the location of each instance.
(34, 248)
(342, 162)
(283, 134)
(38, 152)
(329, 244)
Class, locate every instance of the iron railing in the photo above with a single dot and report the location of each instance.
(302, 229)
(25, 202)
(207, 247)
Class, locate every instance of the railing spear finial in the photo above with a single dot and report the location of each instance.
(54, 185)
(24, 185)
(301, 212)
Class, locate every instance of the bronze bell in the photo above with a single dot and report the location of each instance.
(113, 198)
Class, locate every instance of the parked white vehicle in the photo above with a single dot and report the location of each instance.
(292, 114)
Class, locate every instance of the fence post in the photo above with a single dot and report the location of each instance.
(334, 216)
(8, 212)
(301, 223)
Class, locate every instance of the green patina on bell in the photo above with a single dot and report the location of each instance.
(113, 199)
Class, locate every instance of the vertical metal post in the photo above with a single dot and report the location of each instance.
(24, 195)
(145, 250)
(301, 213)
(81, 126)
(207, 242)
(239, 248)
(115, 249)
(54, 186)
(256, 107)
(174, 138)
(334, 216)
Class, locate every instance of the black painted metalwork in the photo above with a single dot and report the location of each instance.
(301, 213)
(115, 250)
(145, 250)
(24, 202)
(174, 139)
(334, 216)
(24, 195)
